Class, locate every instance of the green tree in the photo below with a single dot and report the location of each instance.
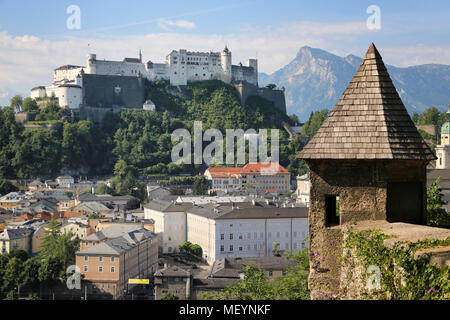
(169, 296)
(16, 102)
(13, 274)
(29, 105)
(437, 216)
(30, 273)
(199, 186)
(254, 286)
(7, 187)
(103, 189)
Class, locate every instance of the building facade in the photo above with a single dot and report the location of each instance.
(249, 229)
(107, 266)
(443, 149)
(262, 177)
(303, 189)
(170, 223)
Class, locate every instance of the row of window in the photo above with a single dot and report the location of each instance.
(255, 235)
(100, 258)
(257, 247)
(100, 269)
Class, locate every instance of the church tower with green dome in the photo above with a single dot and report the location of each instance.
(443, 150)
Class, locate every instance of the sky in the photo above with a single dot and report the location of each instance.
(38, 36)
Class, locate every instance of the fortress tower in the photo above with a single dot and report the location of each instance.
(225, 59)
(91, 67)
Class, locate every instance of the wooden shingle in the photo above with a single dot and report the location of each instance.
(369, 121)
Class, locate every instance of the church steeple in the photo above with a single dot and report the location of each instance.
(140, 56)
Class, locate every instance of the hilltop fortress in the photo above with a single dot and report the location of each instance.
(118, 84)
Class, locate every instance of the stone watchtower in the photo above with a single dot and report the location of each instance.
(443, 150)
(367, 162)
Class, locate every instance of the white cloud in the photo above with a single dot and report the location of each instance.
(183, 24)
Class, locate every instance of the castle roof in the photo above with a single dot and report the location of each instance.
(68, 67)
(369, 121)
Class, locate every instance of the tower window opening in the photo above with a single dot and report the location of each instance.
(332, 210)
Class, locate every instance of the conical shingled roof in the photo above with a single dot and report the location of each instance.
(369, 121)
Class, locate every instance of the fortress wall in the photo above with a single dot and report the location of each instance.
(242, 73)
(246, 90)
(100, 91)
(114, 68)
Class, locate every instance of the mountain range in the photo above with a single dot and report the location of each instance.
(315, 79)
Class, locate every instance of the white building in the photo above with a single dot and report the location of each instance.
(170, 223)
(248, 229)
(303, 189)
(149, 105)
(443, 150)
(65, 181)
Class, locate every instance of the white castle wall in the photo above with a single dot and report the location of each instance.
(66, 73)
(69, 96)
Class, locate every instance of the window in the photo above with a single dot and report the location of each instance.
(270, 273)
(85, 268)
(332, 210)
(222, 236)
(100, 269)
(231, 247)
(231, 236)
(112, 259)
(222, 249)
(240, 248)
(100, 259)
(86, 258)
(113, 269)
(240, 237)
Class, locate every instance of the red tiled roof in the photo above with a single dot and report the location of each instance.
(265, 168)
(268, 168)
(25, 217)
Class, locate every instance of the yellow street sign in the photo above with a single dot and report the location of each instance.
(138, 281)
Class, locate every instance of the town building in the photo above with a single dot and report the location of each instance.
(157, 192)
(117, 257)
(263, 177)
(16, 239)
(78, 229)
(173, 280)
(367, 163)
(248, 229)
(303, 188)
(443, 149)
(65, 181)
(170, 222)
